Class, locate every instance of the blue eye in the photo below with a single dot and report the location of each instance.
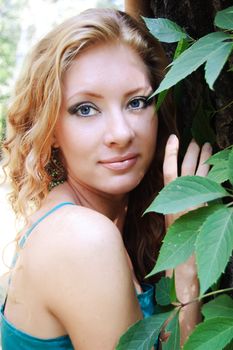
(83, 110)
(137, 103)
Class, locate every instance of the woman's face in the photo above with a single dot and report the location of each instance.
(106, 128)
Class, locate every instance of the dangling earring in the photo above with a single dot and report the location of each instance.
(56, 169)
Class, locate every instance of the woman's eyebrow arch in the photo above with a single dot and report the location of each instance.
(97, 95)
(140, 89)
(86, 93)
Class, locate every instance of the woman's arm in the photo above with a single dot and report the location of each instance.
(89, 286)
(187, 286)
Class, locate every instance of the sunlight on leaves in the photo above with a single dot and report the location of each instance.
(224, 18)
(202, 50)
(220, 306)
(186, 192)
(143, 334)
(213, 334)
(179, 242)
(212, 258)
(165, 30)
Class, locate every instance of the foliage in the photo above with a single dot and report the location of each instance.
(165, 30)
(143, 334)
(212, 50)
(10, 31)
(205, 231)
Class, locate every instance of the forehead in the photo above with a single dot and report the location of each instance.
(106, 66)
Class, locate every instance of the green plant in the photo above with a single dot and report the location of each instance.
(9, 23)
(207, 231)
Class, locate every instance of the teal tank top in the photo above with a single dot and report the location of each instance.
(13, 338)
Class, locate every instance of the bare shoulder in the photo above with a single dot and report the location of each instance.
(72, 233)
(78, 228)
(69, 222)
(83, 238)
(89, 286)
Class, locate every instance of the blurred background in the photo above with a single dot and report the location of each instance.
(22, 23)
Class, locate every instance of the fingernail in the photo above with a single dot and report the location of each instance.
(172, 138)
(207, 146)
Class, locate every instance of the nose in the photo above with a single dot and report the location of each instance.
(119, 131)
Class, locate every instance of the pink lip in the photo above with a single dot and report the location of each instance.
(120, 163)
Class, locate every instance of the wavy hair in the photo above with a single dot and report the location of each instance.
(35, 107)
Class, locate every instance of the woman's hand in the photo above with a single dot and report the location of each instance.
(193, 164)
(187, 286)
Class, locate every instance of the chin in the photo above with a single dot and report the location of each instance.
(123, 187)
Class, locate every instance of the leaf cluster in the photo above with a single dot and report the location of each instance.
(206, 230)
(212, 50)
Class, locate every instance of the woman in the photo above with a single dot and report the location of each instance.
(82, 157)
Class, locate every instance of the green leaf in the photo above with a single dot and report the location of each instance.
(179, 242)
(161, 98)
(163, 291)
(202, 130)
(224, 18)
(165, 30)
(219, 172)
(186, 192)
(230, 166)
(143, 334)
(216, 62)
(192, 59)
(217, 157)
(220, 306)
(173, 295)
(173, 327)
(182, 45)
(212, 334)
(214, 245)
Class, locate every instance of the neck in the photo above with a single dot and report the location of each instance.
(113, 207)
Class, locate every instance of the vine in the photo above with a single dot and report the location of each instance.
(207, 231)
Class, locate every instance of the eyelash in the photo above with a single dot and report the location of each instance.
(145, 99)
(75, 109)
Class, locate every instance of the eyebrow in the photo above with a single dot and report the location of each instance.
(141, 88)
(96, 95)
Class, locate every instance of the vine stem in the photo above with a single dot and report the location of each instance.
(207, 295)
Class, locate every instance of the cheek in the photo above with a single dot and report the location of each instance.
(70, 136)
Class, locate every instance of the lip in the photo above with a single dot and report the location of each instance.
(120, 163)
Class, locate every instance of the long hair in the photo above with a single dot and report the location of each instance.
(35, 108)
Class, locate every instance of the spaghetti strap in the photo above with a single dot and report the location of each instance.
(22, 241)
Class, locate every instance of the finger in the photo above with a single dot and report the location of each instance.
(190, 160)
(206, 152)
(170, 218)
(170, 159)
